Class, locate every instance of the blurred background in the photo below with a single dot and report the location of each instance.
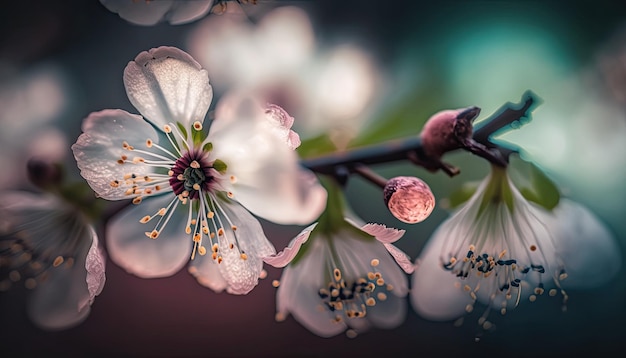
(364, 71)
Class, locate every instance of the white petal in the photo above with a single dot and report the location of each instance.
(56, 303)
(298, 293)
(389, 313)
(382, 233)
(433, 292)
(284, 257)
(167, 85)
(130, 248)
(95, 264)
(139, 12)
(270, 182)
(98, 149)
(588, 249)
(207, 272)
(187, 11)
(63, 300)
(242, 275)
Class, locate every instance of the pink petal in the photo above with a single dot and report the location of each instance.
(95, 266)
(382, 233)
(284, 257)
(403, 260)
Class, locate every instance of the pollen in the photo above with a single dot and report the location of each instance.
(220, 232)
(145, 219)
(154, 234)
(197, 237)
(233, 179)
(180, 177)
(57, 261)
(533, 247)
(167, 129)
(370, 301)
(219, 259)
(279, 317)
(230, 194)
(202, 250)
(196, 187)
(188, 230)
(210, 215)
(194, 164)
(275, 283)
(214, 248)
(337, 274)
(149, 143)
(137, 160)
(374, 262)
(234, 227)
(381, 296)
(170, 173)
(115, 183)
(244, 256)
(137, 200)
(197, 125)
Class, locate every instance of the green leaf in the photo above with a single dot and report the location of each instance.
(462, 194)
(220, 166)
(316, 146)
(207, 147)
(537, 187)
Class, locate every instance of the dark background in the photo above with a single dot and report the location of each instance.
(177, 317)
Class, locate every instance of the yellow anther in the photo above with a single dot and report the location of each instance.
(170, 173)
(279, 317)
(244, 256)
(180, 177)
(194, 164)
(337, 274)
(119, 161)
(467, 288)
(210, 215)
(469, 308)
(115, 183)
(196, 238)
(370, 301)
(137, 160)
(205, 230)
(381, 296)
(219, 259)
(188, 230)
(371, 276)
(214, 256)
(145, 219)
(137, 200)
(149, 143)
(157, 187)
(57, 261)
(532, 298)
(202, 250)
(234, 227)
(275, 283)
(375, 262)
(220, 232)
(501, 255)
(197, 125)
(380, 282)
(552, 292)
(233, 179)
(185, 194)
(230, 194)
(154, 234)
(196, 186)
(167, 129)
(215, 247)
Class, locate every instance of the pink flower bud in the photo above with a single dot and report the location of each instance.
(409, 199)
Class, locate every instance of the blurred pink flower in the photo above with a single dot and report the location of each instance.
(49, 245)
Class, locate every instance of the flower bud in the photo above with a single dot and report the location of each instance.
(409, 199)
(448, 130)
(43, 173)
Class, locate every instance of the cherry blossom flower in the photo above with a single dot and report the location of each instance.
(501, 250)
(345, 278)
(193, 190)
(327, 89)
(49, 247)
(148, 12)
